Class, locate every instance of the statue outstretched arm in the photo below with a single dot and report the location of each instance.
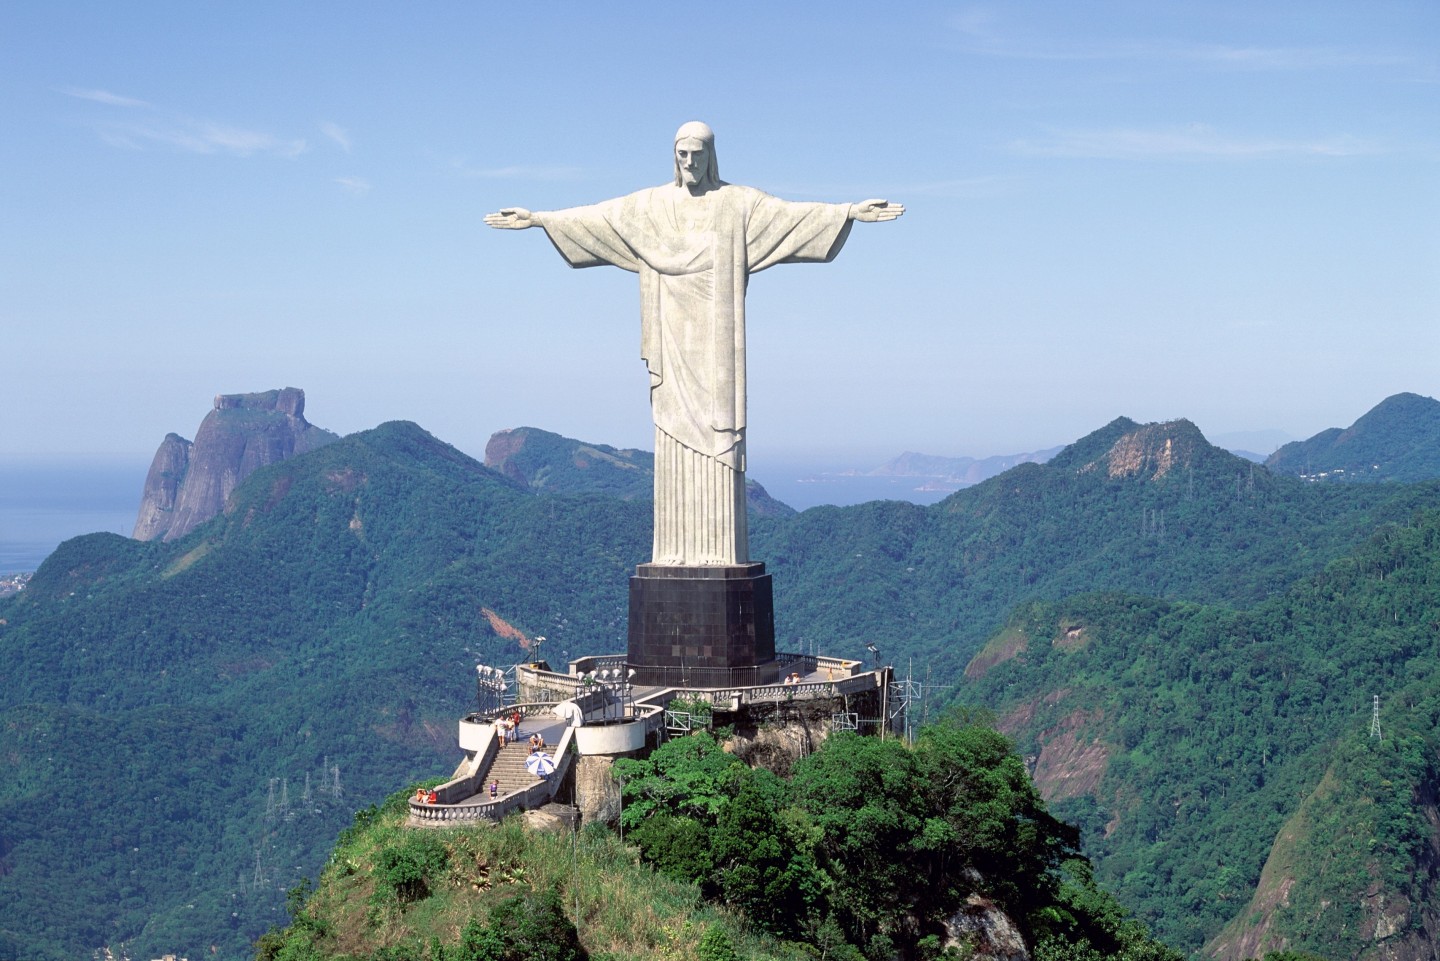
(868, 211)
(513, 218)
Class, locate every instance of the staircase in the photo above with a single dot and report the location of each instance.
(467, 796)
(509, 769)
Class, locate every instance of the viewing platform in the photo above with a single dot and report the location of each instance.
(594, 710)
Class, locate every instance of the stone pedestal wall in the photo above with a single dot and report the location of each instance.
(702, 626)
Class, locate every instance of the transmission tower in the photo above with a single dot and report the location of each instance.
(903, 693)
(1375, 718)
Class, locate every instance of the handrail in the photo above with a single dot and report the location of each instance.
(536, 795)
(806, 690)
(526, 709)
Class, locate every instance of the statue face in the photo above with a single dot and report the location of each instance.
(690, 160)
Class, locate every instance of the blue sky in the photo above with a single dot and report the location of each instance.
(1224, 211)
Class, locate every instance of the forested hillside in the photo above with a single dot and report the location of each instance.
(1196, 744)
(165, 703)
(1397, 440)
(160, 701)
(1151, 509)
(870, 850)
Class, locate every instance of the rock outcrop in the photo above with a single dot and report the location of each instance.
(983, 931)
(189, 482)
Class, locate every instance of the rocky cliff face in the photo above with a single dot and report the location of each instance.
(189, 482)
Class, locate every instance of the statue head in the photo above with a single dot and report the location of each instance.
(695, 162)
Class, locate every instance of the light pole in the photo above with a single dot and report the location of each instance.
(489, 689)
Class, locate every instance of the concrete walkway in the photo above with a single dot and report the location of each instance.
(508, 768)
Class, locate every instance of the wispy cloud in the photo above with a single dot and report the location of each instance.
(103, 96)
(980, 32)
(201, 137)
(1189, 142)
(336, 133)
(516, 172)
(356, 185)
(1288, 58)
(169, 129)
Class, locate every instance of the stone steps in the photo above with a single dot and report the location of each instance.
(508, 767)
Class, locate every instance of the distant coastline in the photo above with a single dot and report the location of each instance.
(44, 503)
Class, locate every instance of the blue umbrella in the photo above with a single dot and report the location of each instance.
(540, 764)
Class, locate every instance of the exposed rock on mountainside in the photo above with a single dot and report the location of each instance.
(1335, 824)
(1398, 439)
(551, 464)
(189, 482)
(1148, 451)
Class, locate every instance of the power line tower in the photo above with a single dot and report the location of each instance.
(1375, 718)
(903, 693)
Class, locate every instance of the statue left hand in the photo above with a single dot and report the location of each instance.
(874, 211)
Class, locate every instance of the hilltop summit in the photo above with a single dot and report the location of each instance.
(549, 463)
(189, 482)
(1396, 440)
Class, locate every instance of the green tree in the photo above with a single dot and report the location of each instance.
(534, 927)
(764, 856)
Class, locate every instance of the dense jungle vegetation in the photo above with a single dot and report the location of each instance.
(162, 706)
(863, 853)
(1221, 727)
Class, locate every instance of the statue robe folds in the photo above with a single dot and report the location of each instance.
(695, 256)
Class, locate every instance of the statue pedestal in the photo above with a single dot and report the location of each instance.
(702, 626)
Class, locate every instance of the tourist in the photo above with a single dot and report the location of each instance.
(494, 789)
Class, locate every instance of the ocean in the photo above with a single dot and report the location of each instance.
(45, 502)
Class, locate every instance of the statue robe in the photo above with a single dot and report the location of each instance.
(695, 256)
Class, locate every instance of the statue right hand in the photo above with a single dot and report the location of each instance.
(511, 218)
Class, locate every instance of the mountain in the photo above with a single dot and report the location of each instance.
(331, 616)
(187, 724)
(551, 464)
(1152, 509)
(1397, 440)
(957, 471)
(938, 848)
(1222, 763)
(189, 482)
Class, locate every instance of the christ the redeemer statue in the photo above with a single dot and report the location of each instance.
(695, 242)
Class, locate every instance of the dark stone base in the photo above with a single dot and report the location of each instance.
(704, 626)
